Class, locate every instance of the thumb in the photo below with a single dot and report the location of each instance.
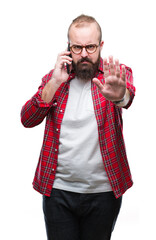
(98, 84)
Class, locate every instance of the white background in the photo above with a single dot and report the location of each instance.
(33, 32)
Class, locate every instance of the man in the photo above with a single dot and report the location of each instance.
(83, 169)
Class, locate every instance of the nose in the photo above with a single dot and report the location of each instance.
(84, 53)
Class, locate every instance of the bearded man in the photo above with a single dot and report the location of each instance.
(83, 169)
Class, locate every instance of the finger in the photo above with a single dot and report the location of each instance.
(105, 68)
(65, 62)
(64, 53)
(66, 58)
(117, 68)
(110, 59)
(106, 73)
(62, 60)
(61, 63)
(111, 65)
(112, 70)
(123, 75)
(105, 64)
(117, 62)
(98, 84)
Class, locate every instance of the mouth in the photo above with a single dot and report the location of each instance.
(85, 65)
(85, 62)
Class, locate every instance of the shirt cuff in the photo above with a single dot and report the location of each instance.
(38, 102)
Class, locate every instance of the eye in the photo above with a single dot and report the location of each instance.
(91, 47)
(77, 47)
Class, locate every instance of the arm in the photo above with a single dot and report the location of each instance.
(36, 109)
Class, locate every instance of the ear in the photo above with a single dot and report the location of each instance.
(101, 45)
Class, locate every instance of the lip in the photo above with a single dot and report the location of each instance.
(85, 62)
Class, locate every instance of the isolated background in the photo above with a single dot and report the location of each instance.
(33, 32)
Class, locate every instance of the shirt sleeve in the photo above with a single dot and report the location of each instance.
(130, 86)
(35, 110)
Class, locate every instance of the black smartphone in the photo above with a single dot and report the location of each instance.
(68, 67)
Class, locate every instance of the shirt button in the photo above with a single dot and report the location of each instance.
(55, 104)
(57, 129)
(55, 149)
(53, 169)
(61, 110)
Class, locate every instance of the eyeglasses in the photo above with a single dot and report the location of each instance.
(77, 49)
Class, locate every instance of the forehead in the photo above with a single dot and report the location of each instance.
(84, 33)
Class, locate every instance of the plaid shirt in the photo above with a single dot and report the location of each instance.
(109, 121)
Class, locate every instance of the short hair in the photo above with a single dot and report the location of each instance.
(81, 20)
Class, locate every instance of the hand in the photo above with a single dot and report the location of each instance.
(114, 88)
(60, 74)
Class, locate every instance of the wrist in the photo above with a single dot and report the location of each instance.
(120, 101)
(124, 101)
(55, 83)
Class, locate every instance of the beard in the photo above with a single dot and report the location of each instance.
(85, 69)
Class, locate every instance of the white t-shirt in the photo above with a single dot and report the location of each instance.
(80, 166)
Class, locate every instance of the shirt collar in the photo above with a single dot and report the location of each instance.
(100, 68)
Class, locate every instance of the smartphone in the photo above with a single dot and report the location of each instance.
(68, 67)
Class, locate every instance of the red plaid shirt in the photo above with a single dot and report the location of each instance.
(109, 121)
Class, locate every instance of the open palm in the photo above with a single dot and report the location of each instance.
(114, 87)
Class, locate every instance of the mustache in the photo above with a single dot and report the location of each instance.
(85, 59)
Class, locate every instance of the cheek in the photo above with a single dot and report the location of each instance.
(96, 57)
(75, 58)
(93, 58)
